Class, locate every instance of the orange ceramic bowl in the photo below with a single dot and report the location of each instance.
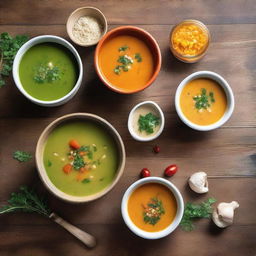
(141, 34)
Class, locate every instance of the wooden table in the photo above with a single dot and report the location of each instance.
(226, 154)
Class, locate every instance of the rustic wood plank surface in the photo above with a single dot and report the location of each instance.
(227, 154)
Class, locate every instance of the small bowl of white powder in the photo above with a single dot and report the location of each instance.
(86, 26)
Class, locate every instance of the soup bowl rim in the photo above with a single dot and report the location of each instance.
(130, 119)
(170, 228)
(121, 30)
(228, 92)
(40, 151)
(47, 39)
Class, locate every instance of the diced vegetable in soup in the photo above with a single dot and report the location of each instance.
(126, 62)
(80, 158)
(203, 101)
(152, 207)
(48, 71)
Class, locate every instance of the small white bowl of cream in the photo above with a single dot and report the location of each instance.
(146, 121)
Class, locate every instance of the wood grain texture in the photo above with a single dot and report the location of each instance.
(228, 154)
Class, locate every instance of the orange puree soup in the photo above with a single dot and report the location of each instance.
(203, 101)
(126, 62)
(152, 207)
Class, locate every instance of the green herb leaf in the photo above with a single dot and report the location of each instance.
(78, 162)
(47, 73)
(153, 212)
(192, 211)
(22, 156)
(138, 57)
(123, 48)
(85, 181)
(8, 49)
(49, 163)
(148, 123)
(204, 101)
(126, 61)
(26, 200)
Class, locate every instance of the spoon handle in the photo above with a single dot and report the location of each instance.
(84, 237)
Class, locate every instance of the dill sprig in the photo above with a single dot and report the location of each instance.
(26, 200)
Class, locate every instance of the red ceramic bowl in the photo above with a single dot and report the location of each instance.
(142, 35)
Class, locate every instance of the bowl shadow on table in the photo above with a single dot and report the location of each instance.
(178, 131)
(172, 64)
(121, 238)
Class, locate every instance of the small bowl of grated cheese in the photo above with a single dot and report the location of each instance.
(86, 26)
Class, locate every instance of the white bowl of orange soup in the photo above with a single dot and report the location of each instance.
(204, 101)
(152, 207)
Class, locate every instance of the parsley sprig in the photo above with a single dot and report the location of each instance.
(148, 122)
(8, 49)
(195, 211)
(26, 200)
(22, 156)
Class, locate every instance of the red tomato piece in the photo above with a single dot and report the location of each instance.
(170, 170)
(145, 173)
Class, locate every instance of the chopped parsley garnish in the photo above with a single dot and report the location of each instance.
(138, 57)
(204, 100)
(195, 211)
(78, 162)
(153, 211)
(22, 156)
(47, 73)
(49, 163)
(123, 48)
(85, 181)
(125, 61)
(148, 122)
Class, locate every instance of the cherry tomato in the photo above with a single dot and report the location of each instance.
(170, 170)
(145, 173)
(156, 149)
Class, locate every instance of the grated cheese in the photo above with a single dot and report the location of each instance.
(87, 30)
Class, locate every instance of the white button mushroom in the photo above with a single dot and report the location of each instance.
(198, 182)
(223, 215)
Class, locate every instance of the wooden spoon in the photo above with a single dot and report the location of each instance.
(84, 237)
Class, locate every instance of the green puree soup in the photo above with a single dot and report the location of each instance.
(80, 158)
(48, 71)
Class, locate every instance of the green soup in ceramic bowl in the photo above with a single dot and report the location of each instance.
(80, 157)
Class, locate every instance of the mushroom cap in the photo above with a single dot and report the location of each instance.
(198, 182)
(223, 215)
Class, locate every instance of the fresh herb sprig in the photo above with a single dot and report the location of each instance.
(8, 48)
(22, 156)
(193, 211)
(148, 122)
(26, 200)
(204, 100)
(153, 212)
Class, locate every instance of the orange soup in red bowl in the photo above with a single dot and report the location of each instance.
(127, 59)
